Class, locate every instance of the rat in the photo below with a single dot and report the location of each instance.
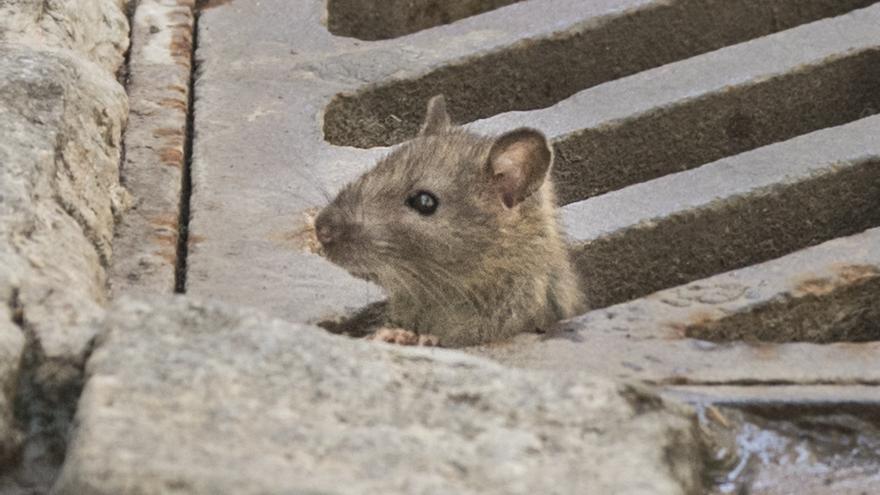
(462, 232)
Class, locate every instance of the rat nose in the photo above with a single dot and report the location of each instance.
(327, 227)
(325, 234)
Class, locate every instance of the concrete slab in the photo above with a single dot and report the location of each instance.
(685, 335)
(12, 343)
(62, 113)
(204, 399)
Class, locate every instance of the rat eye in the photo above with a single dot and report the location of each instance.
(423, 202)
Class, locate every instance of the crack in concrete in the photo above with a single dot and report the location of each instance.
(186, 174)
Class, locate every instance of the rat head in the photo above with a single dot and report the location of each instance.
(444, 207)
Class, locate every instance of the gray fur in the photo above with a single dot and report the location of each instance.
(475, 271)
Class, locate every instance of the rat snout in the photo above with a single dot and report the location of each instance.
(325, 228)
(330, 227)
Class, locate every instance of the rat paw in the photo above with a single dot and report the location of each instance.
(403, 337)
(429, 341)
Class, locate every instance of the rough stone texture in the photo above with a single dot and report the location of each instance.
(61, 119)
(827, 293)
(96, 29)
(203, 399)
(11, 348)
(158, 89)
(62, 113)
(61, 125)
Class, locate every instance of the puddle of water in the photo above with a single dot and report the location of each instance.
(803, 454)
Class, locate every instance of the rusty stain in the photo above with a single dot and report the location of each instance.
(181, 47)
(174, 103)
(178, 88)
(168, 238)
(167, 132)
(193, 239)
(181, 43)
(165, 235)
(168, 245)
(678, 330)
(764, 350)
(701, 319)
(857, 273)
(169, 255)
(847, 274)
(815, 287)
(168, 221)
(171, 156)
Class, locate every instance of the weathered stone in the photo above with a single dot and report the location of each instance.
(61, 119)
(201, 398)
(11, 348)
(97, 29)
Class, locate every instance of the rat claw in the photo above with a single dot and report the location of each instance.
(400, 336)
(394, 336)
(429, 341)
(405, 337)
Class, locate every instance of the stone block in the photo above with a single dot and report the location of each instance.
(207, 399)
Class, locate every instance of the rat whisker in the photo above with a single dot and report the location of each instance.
(440, 276)
(425, 284)
(401, 264)
(441, 273)
(405, 284)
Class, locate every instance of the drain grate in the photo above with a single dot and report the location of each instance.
(718, 161)
(561, 51)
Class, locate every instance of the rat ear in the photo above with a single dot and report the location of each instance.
(437, 121)
(518, 163)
